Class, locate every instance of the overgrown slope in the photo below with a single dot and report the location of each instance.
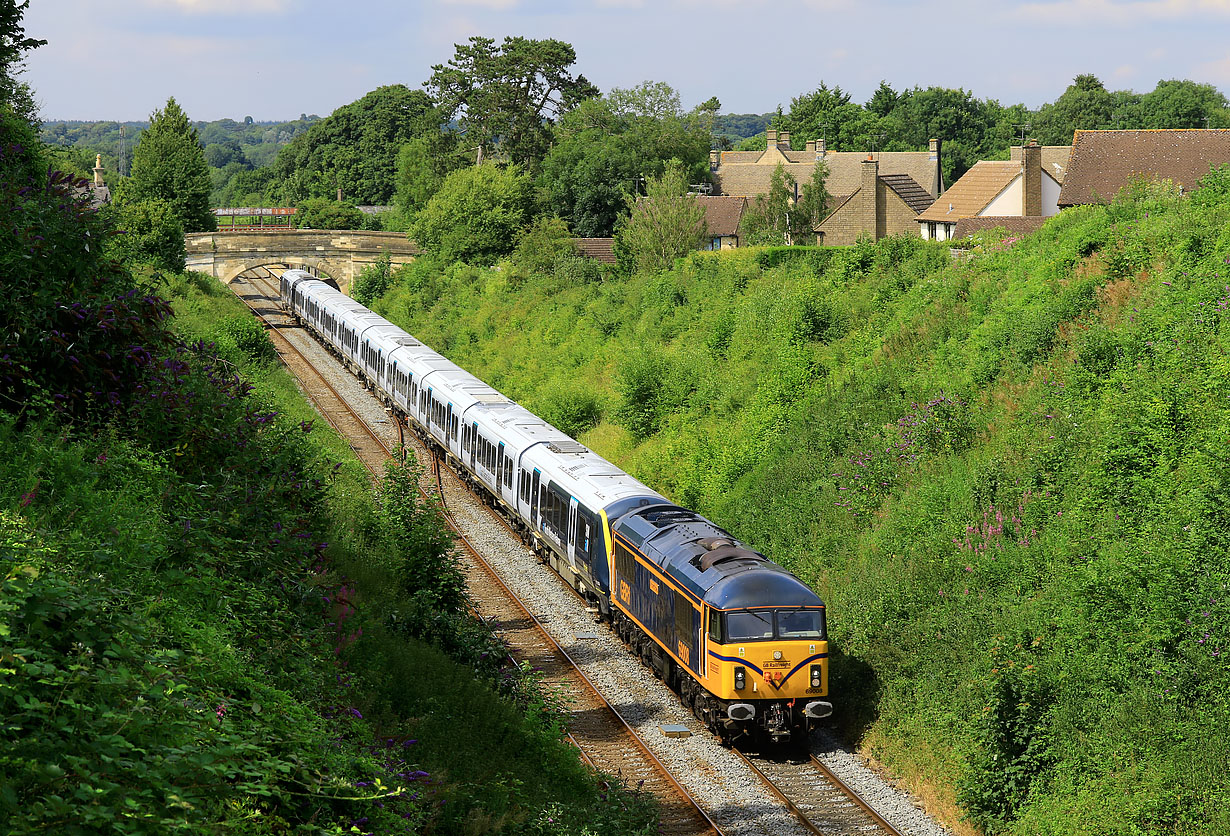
(1007, 476)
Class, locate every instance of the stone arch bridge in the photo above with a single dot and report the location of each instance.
(340, 255)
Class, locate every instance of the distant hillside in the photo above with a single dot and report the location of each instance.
(1007, 476)
(251, 143)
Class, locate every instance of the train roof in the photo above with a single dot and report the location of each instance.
(711, 563)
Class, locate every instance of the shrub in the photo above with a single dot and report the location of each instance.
(148, 231)
(543, 244)
(322, 213)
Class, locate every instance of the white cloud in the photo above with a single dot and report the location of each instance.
(494, 5)
(1119, 12)
(205, 7)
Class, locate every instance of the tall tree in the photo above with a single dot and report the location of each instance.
(505, 98)
(13, 46)
(606, 146)
(1086, 104)
(787, 214)
(169, 165)
(827, 113)
(355, 148)
(666, 224)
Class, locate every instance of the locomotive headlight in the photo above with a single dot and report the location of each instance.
(740, 678)
(777, 654)
(815, 676)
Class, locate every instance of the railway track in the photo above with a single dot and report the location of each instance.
(598, 730)
(820, 801)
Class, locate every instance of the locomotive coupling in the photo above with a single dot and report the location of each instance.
(816, 710)
(742, 711)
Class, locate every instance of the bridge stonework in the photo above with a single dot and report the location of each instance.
(341, 255)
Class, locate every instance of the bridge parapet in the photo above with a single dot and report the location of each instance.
(339, 254)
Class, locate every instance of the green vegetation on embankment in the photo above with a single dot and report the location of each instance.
(209, 621)
(1007, 476)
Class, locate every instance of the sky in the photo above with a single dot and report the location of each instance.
(276, 59)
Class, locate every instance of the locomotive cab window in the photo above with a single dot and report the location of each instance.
(800, 624)
(748, 625)
(715, 626)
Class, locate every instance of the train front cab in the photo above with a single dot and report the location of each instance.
(743, 640)
(768, 665)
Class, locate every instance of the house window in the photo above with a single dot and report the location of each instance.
(931, 230)
(714, 244)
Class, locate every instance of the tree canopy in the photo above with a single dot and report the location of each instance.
(354, 149)
(476, 215)
(169, 165)
(606, 146)
(505, 98)
(13, 46)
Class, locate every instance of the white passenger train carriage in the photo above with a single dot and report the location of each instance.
(562, 493)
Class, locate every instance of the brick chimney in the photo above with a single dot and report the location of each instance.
(811, 146)
(98, 170)
(715, 158)
(820, 149)
(868, 183)
(770, 138)
(783, 141)
(934, 148)
(1031, 165)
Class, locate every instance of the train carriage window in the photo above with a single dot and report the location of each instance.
(555, 511)
(508, 468)
(587, 528)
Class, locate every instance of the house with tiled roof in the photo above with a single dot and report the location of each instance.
(723, 214)
(1103, 162)
(994, 188)
(747, 173)
(907, 178)
(599, 249)
(883, 204)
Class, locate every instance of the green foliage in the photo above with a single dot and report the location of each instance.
(354, 149)
(249, 341)
(324, 213)
(506, 97)
(422, 165)
(373, 281)
(169, 165)
(666, 224)
(13, 46)
(639, 383)
(542, 245)
(148, 231)
(476, 215)
(776, 218)
(606, 146)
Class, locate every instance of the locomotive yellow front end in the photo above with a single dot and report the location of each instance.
(769, 666)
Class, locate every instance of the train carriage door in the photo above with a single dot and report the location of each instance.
(570, 540)
(534, 497)
(499, 470)
(473, 444)
(448, 423)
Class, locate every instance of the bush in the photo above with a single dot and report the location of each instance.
(148, 232)
(477, 214)
(373, 281)
(543, 244)
(322, 213)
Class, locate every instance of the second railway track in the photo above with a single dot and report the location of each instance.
(816, 799)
